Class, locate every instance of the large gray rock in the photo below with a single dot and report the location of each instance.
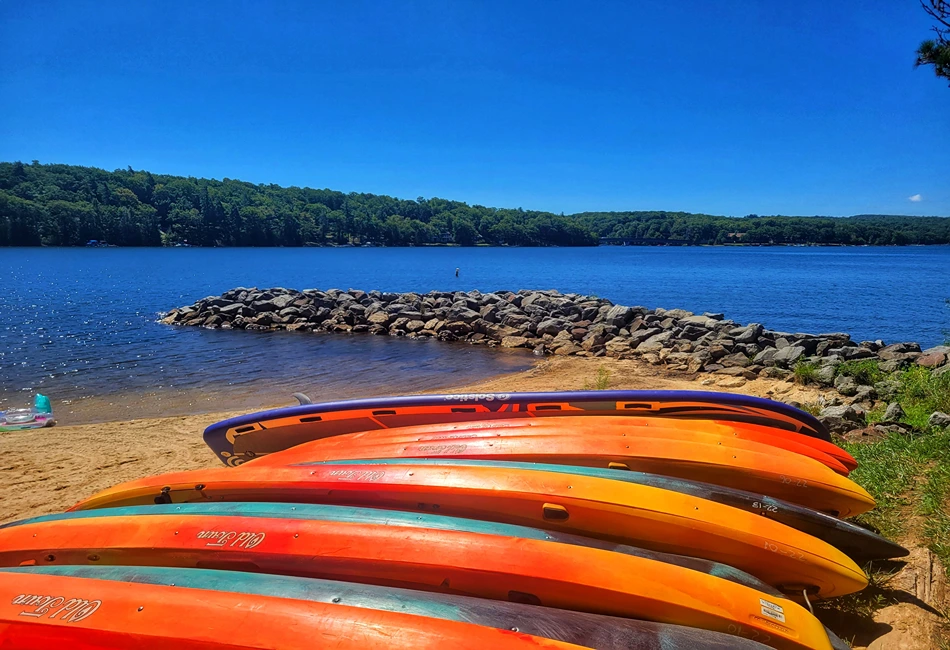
(841, 419)
(766, 357)
(788, 356)
(551, 326)
(736, 360)
(846, 385)
(748, 334)
(939, 419)
(618, 315)
(893, 412)
(887, 388)
(825, 375)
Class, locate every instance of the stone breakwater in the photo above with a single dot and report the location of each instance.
(549, 322)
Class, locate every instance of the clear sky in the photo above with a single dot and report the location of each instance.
(729, 107)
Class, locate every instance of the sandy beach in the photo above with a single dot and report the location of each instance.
(48, 470)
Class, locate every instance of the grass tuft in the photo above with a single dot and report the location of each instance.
(865, 372)
(601, 382)
(921, 394)
(806, 372)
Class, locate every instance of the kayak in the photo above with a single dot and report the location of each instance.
(739, 464)
(860, 544)
(44, 610)
(587, 431)
(497, 567)
(31, 544)
(618, 511)
(587, 630)
(239, 439)
(827, 453)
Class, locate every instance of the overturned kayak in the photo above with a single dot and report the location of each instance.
(497, 567)
(860, 544)
(587, 630)
(66, 538)
(584, 430)
(617, 511)
(42, 609)
(734, 464)
(242, 438)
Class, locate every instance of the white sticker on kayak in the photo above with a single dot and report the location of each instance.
(772, 610)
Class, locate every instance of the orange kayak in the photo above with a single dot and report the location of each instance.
(627, 513)
(240, 439)
(587, 630)
(585, 429)
(540, 572)
(739, 465)
(40, 612)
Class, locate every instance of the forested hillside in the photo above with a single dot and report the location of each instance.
(66, 205)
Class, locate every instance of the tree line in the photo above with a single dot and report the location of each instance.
(67, 205)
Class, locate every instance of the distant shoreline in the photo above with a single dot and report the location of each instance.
(805, 245)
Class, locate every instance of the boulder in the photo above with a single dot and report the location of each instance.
(618, 346)
(774, 372)
(551, 326)
(825, 375)
(567, 349)
(749, 334)
(766, 357)
(514, 342)
(893, 412)
(898, 351)
(841, 419)
(891, 366)
(846, 385)
(939, 419)
(736, 360)
(788, 356)
(618, 315)
(928, 359)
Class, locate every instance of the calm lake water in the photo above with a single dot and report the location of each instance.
(80, 324)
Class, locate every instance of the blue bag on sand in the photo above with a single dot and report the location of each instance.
(41, 404)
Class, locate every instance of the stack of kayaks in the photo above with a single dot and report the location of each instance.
(612, 520)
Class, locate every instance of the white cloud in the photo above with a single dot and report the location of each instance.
(916, 198)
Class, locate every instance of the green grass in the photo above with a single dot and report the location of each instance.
(806, 372)
(908, 475)
(921, 394)
(866, 372)
(601, 382)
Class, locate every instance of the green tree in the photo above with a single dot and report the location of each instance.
(936, 51)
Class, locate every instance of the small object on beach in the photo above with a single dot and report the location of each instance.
(41, 415)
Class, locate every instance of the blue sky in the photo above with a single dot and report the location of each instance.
(732, 107)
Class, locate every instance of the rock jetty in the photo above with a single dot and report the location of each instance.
(550, 322)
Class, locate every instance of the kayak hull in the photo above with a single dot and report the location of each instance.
(242, 438)
(616, 511)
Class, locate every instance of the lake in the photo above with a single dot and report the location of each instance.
(80, 324)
